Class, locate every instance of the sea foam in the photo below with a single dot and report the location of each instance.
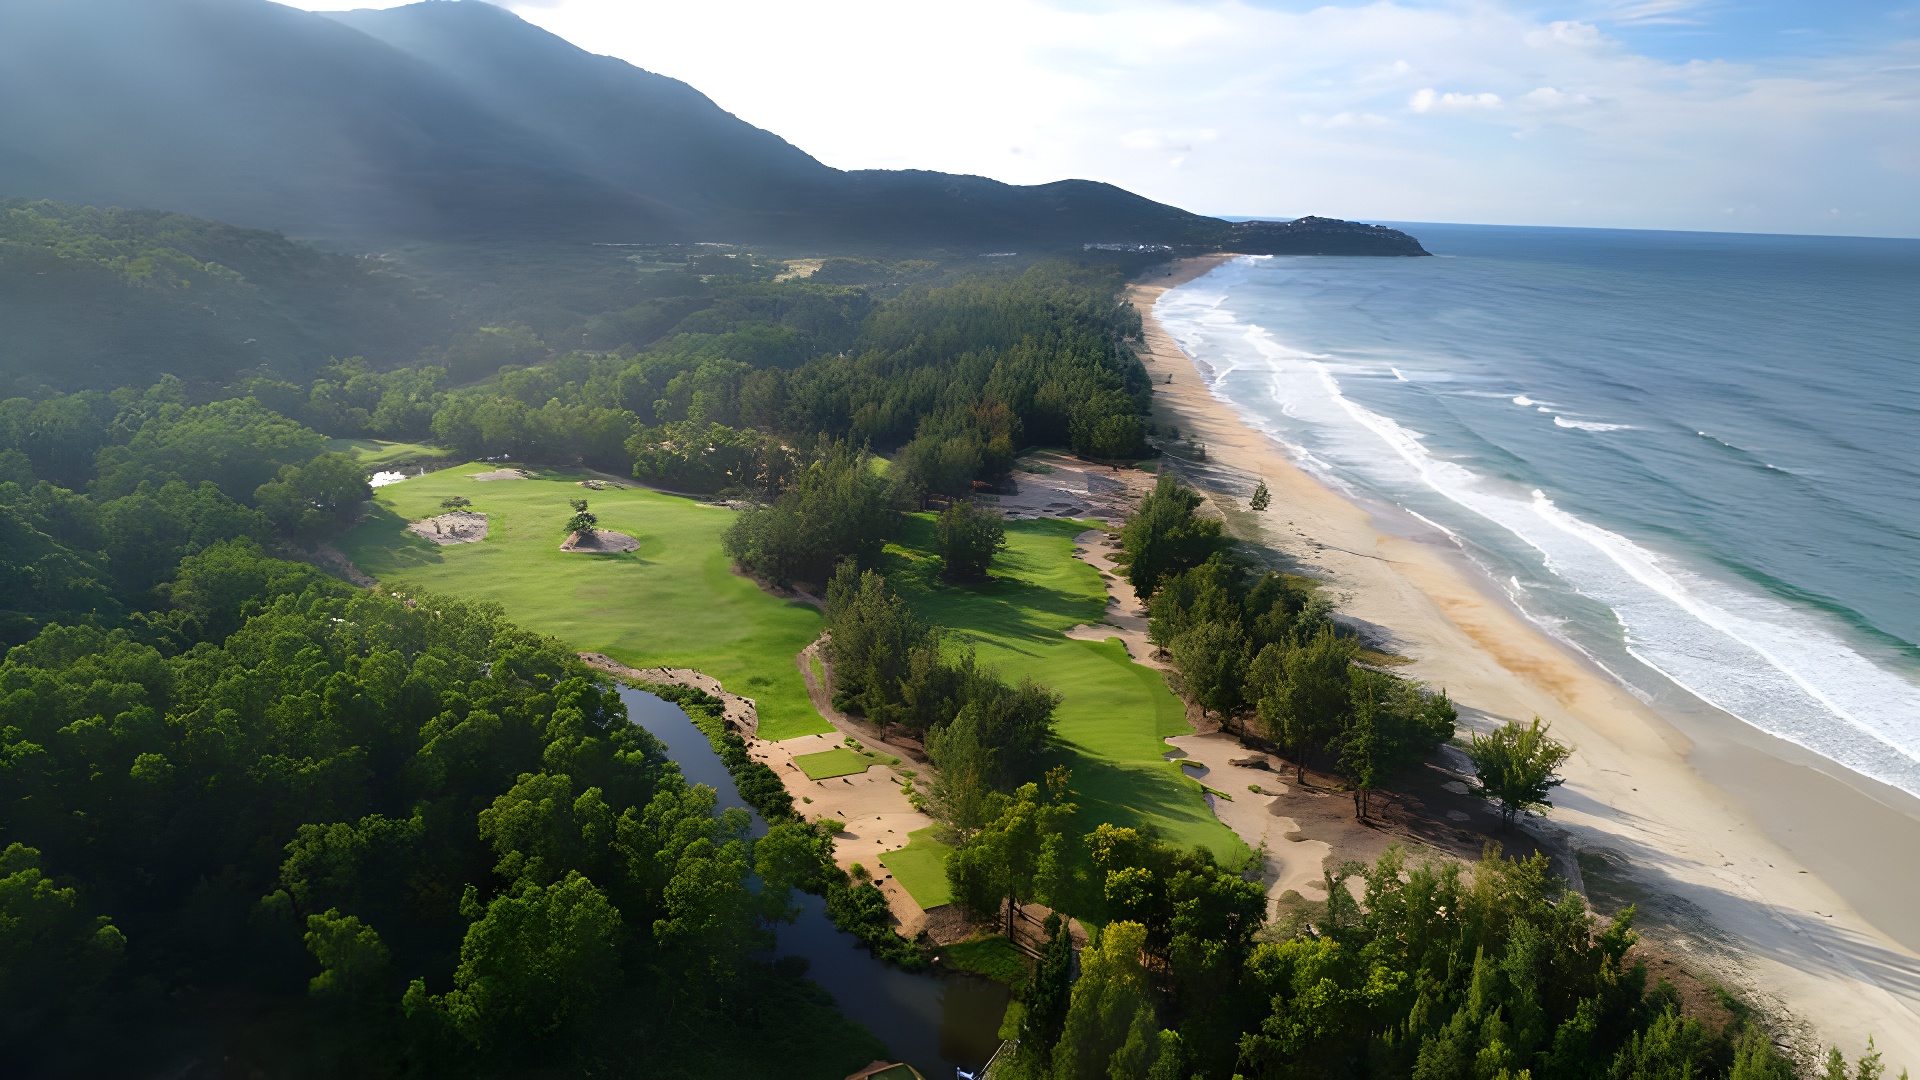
(1781, 668)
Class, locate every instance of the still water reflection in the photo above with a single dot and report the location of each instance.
(934, 1021)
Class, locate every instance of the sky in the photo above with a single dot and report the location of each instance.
(1718, 115)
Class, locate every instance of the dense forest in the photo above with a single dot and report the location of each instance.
(100, 298)
(247, 806)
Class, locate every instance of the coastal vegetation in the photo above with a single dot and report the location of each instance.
(406, 830)
(400, 833)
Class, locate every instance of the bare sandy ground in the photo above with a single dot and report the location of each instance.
(1719, 889)
(600, 542)
(872, 810)
(455, 527)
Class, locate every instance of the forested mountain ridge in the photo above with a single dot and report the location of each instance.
(456, 120)
(102, 298)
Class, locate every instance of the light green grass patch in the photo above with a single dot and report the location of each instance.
(828, 764)
(992, 956)
(921, 868)
(674, 603)
(1113, 712)
(382, 452)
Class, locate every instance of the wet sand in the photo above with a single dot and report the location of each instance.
(1761, 869)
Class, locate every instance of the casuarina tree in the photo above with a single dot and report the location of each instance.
(1516, 766)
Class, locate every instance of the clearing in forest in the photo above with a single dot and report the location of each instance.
(1113, 712)
(673, 603)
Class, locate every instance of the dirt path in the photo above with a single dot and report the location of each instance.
(871, 809)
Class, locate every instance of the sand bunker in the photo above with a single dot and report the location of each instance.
(457, 527)
(501, 474)
(600, 542)
(600, 485)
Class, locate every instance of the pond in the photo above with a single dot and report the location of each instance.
(935, 1021)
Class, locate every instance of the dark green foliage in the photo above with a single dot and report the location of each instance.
(1262, 498)
(970, 536)
(1018, 856)
(349, 399)
(1047, 992)
(890, 666)
(288, 810)
(836, 509)
(96, 298)
(859, 907)
(312, 501)
(1516, 765)
(237, 445)
(1165, 537)
(583, 520)
(712, 459)
(757, 783)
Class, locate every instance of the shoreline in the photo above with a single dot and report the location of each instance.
(1707, 860)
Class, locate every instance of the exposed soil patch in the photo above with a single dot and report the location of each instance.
(453, 527)
(501, 474)
(600, 542)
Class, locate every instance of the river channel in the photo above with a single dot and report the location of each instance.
(936, 1021)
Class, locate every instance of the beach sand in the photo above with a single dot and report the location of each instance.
(1747, 860)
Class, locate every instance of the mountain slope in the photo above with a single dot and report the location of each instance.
(93, 299)
(455, 119)
(264, 116)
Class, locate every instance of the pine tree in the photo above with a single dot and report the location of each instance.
(1262, 498)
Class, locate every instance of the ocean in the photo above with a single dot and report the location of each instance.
(1693, 456)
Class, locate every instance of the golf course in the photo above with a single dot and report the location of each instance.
(675, 602)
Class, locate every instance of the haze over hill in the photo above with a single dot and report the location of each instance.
(455, 119)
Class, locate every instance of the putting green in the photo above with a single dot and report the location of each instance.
(921, 868)
(828, 764)
(1113, 712)
(673, 603)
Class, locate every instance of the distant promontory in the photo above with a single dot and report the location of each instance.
(1319, 236)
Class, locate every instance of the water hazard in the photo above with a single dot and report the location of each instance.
(935, 1021)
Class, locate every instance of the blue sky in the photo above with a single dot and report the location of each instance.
(1735, 115)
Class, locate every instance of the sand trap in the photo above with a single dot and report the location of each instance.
(456, 527)
(599, 485)
(501, 474)
(600, 542)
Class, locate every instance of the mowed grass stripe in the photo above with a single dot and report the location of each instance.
(1113, 712)
(674, 603)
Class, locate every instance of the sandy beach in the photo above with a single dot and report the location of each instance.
(1756, 866)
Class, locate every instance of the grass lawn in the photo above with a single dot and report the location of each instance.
(382, 452)
(1113, 713)
(675, 602)
(828, 764)
(921, 868)
(995, 957)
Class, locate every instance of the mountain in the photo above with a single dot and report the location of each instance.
(93, 299)
(1318, 236)
(453, 120)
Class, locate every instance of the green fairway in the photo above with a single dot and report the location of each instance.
(828, 764)
(382, 452)
(921, 868)
(675, 602)
(993, 956)
(1113, 713)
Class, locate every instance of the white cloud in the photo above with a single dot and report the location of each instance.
(1231, 106)
(1426, 100)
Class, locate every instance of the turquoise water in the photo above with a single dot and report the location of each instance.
(1696, 457)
